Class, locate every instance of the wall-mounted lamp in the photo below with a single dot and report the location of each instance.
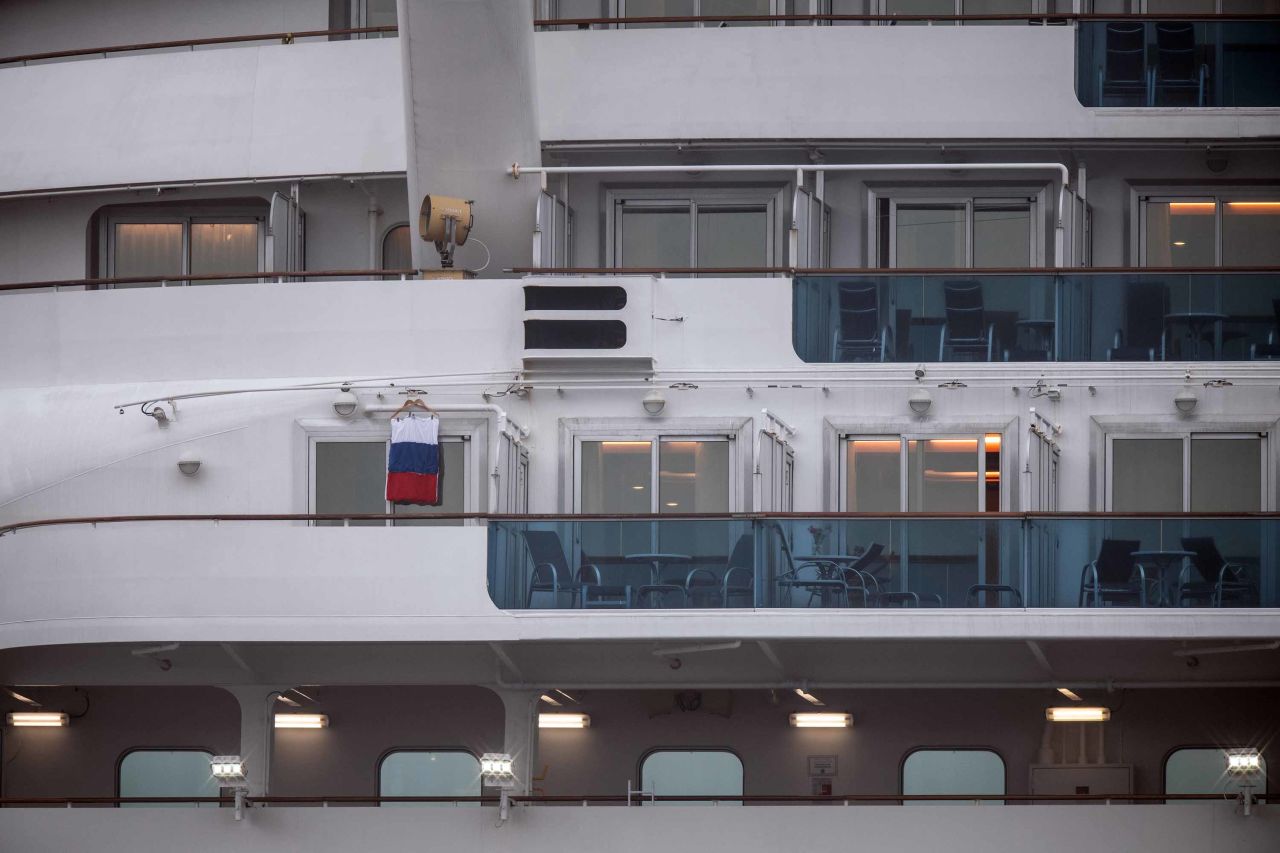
(919, 400)
(157, 410)
(1077, 714)
(654, 402)
(37, 719)
(1244, 762)
(345, 403)
(815, 720)
(189, 464)
(302, 721)
(564, 721)
(1186, 401)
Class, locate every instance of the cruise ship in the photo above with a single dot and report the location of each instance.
(694, 425)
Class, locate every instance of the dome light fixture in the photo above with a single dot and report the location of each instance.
(919, 400)
(345, 402)
(1186, 401)
(654, 402)
(189, 464)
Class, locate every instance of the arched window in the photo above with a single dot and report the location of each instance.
(166, 773)
(396, 254)
(952, 771)
(428, 773)
(692, 772)
(1203, 770)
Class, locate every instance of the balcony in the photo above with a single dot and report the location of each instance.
(1053, 317)
(1178, 63)
(992, 561)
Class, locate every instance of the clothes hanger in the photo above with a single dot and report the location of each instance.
(412, 403)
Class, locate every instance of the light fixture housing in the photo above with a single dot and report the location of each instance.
(37, 719)
(302, 721)
(1244, 762)
(654, 402)
(564, 721)
(821, 720)
(189, 464)
(919, 400)
(497, 770)
(1185, 401)
(1070, 694)
(1077, 714)
(227, 769)
(345, 403)
(808, 697)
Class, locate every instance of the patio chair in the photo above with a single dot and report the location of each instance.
(1111, 577)
(551, 574)
(703, 588)
(979, 595)
(1123, 75)
(860, 335)
(821, 578)
(967, 332)
(1220, 581)
(1178, 66)
(861, 575)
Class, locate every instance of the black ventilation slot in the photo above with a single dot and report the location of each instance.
(575, 334)
(540, 298)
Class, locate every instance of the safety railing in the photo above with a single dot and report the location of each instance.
(192, 44)
(209, 278)
(820, 19)
(1077, 315)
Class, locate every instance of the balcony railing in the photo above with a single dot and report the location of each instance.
(993, 316)
(567, 22)
(1182, 63)
(991, 561)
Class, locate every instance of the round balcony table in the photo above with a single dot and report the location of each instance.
(1198, 322)
(658, 587)
(1162, 561)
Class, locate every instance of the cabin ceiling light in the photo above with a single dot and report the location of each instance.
(345, 402)
(808, 697)
(919, 400)
(654, 402)
(1077, 714)
(189, 464)
(816, 720)
(302, 721)
(1186, 401)
(37, 719)
(564, 721)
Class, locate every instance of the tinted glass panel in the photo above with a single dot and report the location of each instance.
(655, 237)
(351, 477)
(147, 249)
(732, 237)
(942, 475)
(701, 773)
(1226, 474)
(218, 248)
(1146, 475)
(953, 771)
(657, 9)
(615, 477)
(693, 476)
(167, 773)
(931, 236)
(1002, 235)
(1181, 234)
(429, 774)
(1251, 233)
(874, 483)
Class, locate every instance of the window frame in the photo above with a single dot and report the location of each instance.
(649, 753)
(472, 432)
(971, 196)
(169, 217)
(1219, 194)
(690, 196)
(902, 764)
(574, 431)
(1182, 431)
(390, 751)
(120, 759)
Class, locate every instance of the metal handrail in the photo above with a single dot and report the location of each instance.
(887, 271)
(1047, 18)
(256, 274)
(283, 38)
(647, 517)
(534, 799)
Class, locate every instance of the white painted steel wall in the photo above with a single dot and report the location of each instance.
(841, 83)
(302, 109)
(1198, 828)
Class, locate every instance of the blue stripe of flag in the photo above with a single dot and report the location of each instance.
(412, 457)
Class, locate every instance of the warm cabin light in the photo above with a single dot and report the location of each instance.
(637, 488)
(808, 697)
(876, 445)
(819, 720)
(1077, 714)
(1192, 208)
(1179, 242)
(952, 445)
(1070, 694)
(37, 719)
(1243, 762)
(624, 446)
(302, 721)
(992, 443)
(1271, 207)
(953, 476)
(563, 721)
(673, 503)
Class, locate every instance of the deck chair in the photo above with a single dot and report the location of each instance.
(966, 332)
(551, 574)
(1218, 580)
(859, 336)
(1123, 76)
(1113, 576)
(703, 588)
(1178, 67)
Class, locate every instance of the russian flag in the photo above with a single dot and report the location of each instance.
(413, 464)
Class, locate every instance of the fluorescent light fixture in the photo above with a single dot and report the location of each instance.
(227, 768)
(808, 697)
(37, 719)
(550, 700)
(1077, 714)
(1244, 762)
(1070, 694)
(563, 721)
(812, 720)
(302, 721)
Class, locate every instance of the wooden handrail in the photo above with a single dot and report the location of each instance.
(1048, 18)
(284, 38)
(643, 517)
(151, 279)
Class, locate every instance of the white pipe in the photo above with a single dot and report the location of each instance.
(516, 170)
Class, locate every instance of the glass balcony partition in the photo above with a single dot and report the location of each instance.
(1019, 317)
(900, 560)
(1178, 63)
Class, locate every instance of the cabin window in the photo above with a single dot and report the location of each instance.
(166, 773)
(898, 473)
(696, 772)
(157, 247)
(1210, 230)
(936, 229)
(1186, 472)
(662, 474)
(952, 771)
(1203, 770)
(686, 228)
(428, 773)
(349, 477)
